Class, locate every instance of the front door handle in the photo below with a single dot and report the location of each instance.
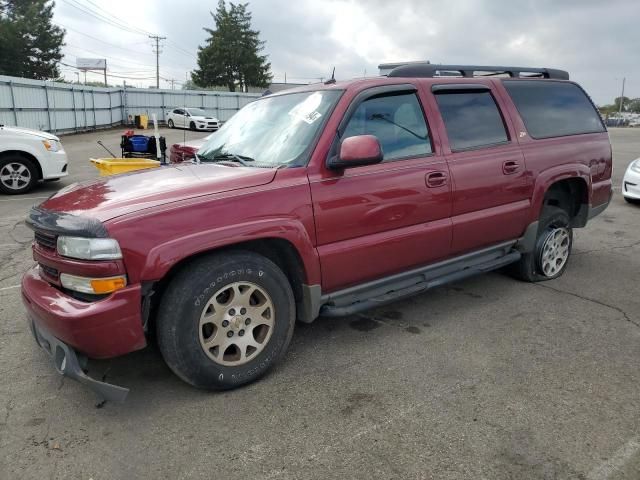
(436, 179)
(510, 166)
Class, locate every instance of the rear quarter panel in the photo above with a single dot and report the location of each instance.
(548, 160)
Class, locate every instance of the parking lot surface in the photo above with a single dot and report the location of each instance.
(488, 378)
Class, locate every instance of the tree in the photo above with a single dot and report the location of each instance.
(634, 105)
(30, 45)
(625, 102)
(231, 55)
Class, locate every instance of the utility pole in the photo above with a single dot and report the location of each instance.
(157, 38)
(105, 73)
(173, 82)
(622, 96)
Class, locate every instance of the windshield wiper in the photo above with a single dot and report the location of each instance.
(229, 157)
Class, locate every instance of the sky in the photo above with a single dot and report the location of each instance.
(596, 41)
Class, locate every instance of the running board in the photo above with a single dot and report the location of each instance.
(389, 289)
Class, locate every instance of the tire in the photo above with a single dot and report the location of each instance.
(632, 201)
(192, 335)
(170, 123)
(541, 264)
(192, 126)
(17, 174)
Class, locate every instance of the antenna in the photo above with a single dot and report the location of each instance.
(333, 77)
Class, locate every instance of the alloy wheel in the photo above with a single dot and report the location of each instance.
(555, 251)
(15, 176)
(236, 323)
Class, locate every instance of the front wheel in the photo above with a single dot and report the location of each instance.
(192, 126)
(17, 175)
(552, 249)
(170, 124)
(225, 320)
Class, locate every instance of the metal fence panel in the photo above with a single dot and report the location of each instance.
(65, 108)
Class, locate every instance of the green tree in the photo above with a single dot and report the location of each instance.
(625, 103)
(30, 45)
(634, 105)
(231, 55)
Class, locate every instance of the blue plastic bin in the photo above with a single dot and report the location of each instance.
(140, 143)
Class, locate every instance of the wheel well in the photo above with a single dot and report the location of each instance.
(570, 195)
(28, 156)
(279, 251)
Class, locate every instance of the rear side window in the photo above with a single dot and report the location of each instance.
(472, 120)
(398, 123)
(554, 109)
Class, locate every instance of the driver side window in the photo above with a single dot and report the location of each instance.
(398, 123)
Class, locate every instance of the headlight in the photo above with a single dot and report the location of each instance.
(95, 286)
(89, 248)
(635, 165)
(52, 145)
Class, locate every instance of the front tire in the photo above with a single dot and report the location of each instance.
(192, 126)
(550, 256)
(170, 124)
(17, 175)
(225, 320)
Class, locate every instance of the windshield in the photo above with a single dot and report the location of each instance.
(196, 112)
(272, 131)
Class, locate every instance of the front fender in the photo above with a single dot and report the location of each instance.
(161, 258)
(552, 175)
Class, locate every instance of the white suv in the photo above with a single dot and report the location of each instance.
(27, 156)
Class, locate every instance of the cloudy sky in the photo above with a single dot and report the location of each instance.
(597, 42)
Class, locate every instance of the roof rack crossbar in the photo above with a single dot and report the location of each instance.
(430, 70)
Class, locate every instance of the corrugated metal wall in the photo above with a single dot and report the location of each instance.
(63, 107)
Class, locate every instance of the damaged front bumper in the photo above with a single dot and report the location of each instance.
(70, 364)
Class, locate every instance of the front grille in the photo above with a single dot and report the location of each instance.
(49, 271)
(46, 240)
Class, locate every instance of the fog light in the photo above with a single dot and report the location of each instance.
(97, 286)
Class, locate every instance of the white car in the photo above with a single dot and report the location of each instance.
(28, 156)
(192, 118)
(631, 182)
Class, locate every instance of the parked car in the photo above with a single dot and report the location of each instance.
(631, 182)
(185, 151)
(322, 200)
(192, 118)
(28, 156)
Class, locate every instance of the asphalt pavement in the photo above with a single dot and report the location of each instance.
(489, 378)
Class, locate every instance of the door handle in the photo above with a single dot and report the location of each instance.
(436, 179)
(510, 166)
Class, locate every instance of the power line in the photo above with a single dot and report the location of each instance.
(88, 11)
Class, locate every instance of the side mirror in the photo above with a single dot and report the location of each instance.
(357, 151)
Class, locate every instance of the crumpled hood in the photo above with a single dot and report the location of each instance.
(29, 131)
(112, 197)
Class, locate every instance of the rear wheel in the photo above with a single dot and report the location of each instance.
(170, 123)
(17, 175)
(550, 256)
(225, 320)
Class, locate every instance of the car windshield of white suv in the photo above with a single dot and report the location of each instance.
(271, 132)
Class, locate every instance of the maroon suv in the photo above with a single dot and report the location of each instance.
(319, 201)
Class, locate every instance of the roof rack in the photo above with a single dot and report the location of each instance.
(430, 70)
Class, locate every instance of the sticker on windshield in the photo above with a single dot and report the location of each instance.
(307, 110)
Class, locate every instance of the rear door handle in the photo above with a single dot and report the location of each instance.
(436, 179)
(510, 166)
